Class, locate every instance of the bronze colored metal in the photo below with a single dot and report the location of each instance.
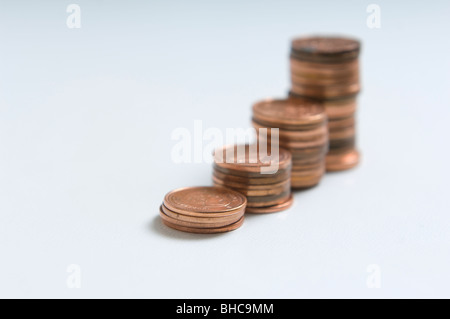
(203, 220)
(326, 69)
(326, 72)
(210, 200)
(286, 127)
(343, 161)
(325, 91)
(305, 135)
(271, 209)
(250, 159)
(271, 200)
(342, 133)
(325, 49)
(251, 175)
(341, 123)
(206, 230)
(261, 187)
(339, 146)
(304, 182)
(179, 222)
(311, 79)
(289, 112)
(250, 181)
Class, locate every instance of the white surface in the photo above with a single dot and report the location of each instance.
(85, 122)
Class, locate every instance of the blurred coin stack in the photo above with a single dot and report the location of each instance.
(302, 125)
(203, 210)
(264, 177)
(327, 69)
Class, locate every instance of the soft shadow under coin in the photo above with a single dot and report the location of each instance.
(157, 226)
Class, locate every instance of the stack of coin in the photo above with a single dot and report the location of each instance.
(264, 177)
(327, 69)
(203, 210)
(302, 125)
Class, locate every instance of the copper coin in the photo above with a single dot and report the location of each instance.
(238, 185)
(308, 153)
(342, 133)
(251, 175)
(341, 162)
(286, 127)
(250, 158)
(270, 179)
(309, 167)
(205, 230)
(302, 182)
(339, 112)
(338, 145)
(195, 224)
(304, 135)
(298, 145)
(320, 169)
(325, 49)
(311, 79)
(212, 200)
(325, 91)
(299, 184)
(339, 102)
(290, 112)
(262, 201)
(321, 99)
(271, 209)
(325, 70)
(308, 162)
(203, 220)
(256, 192)
(341, 123)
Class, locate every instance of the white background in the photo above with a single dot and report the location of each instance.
(86, 117)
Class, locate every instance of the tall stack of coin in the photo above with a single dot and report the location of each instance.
(302, 125)
(203, 210)
(264, 177)
(327, 69)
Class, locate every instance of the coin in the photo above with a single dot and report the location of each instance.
(245, 185)
(251, 158)
(210, 200)
(258, 201)
(343, 161)
(251, 176)
(246, 180)
(325, 49)
(326, 69)
(342, 134)
(203, 219)
(303, 135)
(290, 112)
(180, 222)
(271, 209)
(341, 123)
(325, 91)
(205, 230)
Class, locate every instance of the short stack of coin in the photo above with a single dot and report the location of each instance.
(264, 177)
(327, 69)
(203, 210)
(302, 125)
